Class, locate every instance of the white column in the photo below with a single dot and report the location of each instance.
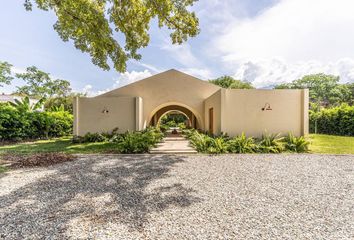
(76, 112)
(138, 113)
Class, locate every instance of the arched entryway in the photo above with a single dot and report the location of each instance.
(175, 109)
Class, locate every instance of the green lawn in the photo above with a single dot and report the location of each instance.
(57, 145)
(331, 144)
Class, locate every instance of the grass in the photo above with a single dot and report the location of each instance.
(319, 144)
(331, 144)
(57, 145)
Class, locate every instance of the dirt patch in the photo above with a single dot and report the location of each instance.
(36, 160)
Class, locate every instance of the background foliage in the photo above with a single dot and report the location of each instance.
(16, 124)
(334, 121)
(230, 82)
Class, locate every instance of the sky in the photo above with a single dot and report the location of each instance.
(265, 42)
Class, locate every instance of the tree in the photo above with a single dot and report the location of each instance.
(92, 25)
(25, 105)
(65, 102)
(5, 73)
(39, 84)
(323, 89)
(230, 82)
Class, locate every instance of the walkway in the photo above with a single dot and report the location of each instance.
(174, 144)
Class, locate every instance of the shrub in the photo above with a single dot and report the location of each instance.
(134, 142)
(153, 135)
(334, 121)
(270, 143)
(16, 124)
(217, 145)
(296, 144)
(242, 144)
(200, 141)
(129, 142)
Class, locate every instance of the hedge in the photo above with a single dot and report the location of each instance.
(334, 121)
(19, 125)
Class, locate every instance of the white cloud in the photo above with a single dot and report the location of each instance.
(297, 30)
(202, 73)
(130, 77)
(181, 53)
(122, 80)
(150, 67)
(267, 73)
(288, 40)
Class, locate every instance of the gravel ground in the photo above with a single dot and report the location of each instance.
(181, 197)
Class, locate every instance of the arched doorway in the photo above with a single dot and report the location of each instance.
(175, 110)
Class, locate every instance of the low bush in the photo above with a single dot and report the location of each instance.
(217, 145)
(201, 142)
(133, 142)
(242, 144)
(296, 144)
(268, 143)
(128, 142)
(138, 142)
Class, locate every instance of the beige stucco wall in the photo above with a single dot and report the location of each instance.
(242, 112)
(235, 111)
(168, 88)
(214, 101)
(88, 115)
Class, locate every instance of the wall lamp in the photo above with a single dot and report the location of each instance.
(266, 107)
(105, 110)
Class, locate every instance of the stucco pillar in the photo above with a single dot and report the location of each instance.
(76, 111)
(305, 112)
(138, 113)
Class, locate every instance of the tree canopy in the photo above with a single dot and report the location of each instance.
(5, 73)
(93, 25)
(230, 82)
(324, 90)
(39, 84)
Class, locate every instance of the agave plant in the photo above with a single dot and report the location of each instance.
(271, 143)
(296, 144)
(242, 144)
(26, 106)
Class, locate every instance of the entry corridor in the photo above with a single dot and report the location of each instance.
(174, 144)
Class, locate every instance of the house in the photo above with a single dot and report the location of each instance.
(208, 107)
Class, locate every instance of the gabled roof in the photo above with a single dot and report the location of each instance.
(174, 78)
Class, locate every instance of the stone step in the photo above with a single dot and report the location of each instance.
(174, 139)
(173, 145)
(173, 151)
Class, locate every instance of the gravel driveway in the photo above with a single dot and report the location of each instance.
(181, 197)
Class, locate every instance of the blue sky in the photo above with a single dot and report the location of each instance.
(262, 41)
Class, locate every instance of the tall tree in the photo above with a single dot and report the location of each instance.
(324, 89)
(39, 84)
(5, 73)
(92, 25)
(230, 82)
(62, 101)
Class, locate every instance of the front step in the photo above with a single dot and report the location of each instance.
(171, 151)
(173, 145)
